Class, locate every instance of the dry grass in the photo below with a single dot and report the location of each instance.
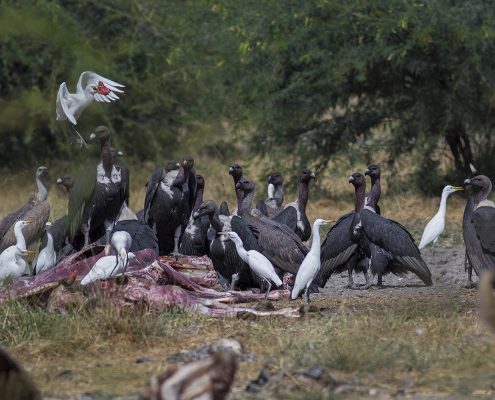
(360, 340)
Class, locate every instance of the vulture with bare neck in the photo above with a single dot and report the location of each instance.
(478, 227)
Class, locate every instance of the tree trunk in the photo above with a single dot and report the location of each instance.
(459, 144)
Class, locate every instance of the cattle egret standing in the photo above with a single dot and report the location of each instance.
(47, 257)
(310, 265)
(12, 263)
(105, 268)
(436, 226)
(258, 263)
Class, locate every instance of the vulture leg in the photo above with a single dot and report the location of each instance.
(85, 231)
(380, 281)
(369, 281)
(177, 233)
(467, 267)
(350, 285)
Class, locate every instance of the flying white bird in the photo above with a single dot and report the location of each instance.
(105, 268)
(90, 87)
(12, 263)
(436, 226)
(260, 265)
(47, 257)
(310, 265)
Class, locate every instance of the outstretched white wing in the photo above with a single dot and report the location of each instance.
(64, 101)
(103, 89)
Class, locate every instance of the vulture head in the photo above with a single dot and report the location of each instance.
(236, 171)
(206, 208)
(306, 175)
(66, 181)
(357, 179)
(187, 162)
(101, 133)
(171, 165)
(246, 185)
(276, 179)
(200, 182)
(478, 183)
(373, 171)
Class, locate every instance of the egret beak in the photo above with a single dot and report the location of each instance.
(92, 136)
(327, 221)
(351, 179)
(223, 233)
(28, 252)
(28, 221)
(458, 188)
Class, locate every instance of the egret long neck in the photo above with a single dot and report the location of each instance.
(42, 190)
(242, 251)
(315, 244)
(49, 241)
(443, 205)
(19, 237)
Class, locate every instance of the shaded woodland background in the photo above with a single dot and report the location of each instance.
(318, 83)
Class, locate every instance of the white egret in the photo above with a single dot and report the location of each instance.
(90, 87)
(310, 265)
(436, 225)
(106, 267)
(122, 242)
(47, 257)
(12, 263)
(260, 265)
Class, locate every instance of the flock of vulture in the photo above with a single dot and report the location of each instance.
(255, 246)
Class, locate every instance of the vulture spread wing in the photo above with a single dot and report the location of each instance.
(396, 240)
(484, 224)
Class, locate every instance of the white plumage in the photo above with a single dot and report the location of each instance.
(436, 225)
(12, 263)
(90, 87)
(310, 265)
(47, 257)
(122, 242)
(105, 268)
(260, 265)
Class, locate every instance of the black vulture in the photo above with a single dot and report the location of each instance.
(478, 227)
(388, 245)
(275, 198)
(194, 240)
(297, 209)
(169, 200)
(281, 246)
(229, 266)
(36, 210)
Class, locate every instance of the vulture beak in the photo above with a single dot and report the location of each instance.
(224, 233)
(59, 181)
(351, 179)
(48, 223)
(231, 170)
(313, 175)
(456, 188)
(238, 186)
(120, 154)
(92, 136)
(366, 171)
(177, 165)
(467, 182)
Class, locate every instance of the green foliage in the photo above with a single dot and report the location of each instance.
(316, 79)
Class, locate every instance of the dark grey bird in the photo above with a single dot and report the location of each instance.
(15, 383)
(168, 203)
(297, 209)
(194, 240)
(273, 204)
(388, 245)
(373, 197)
(225, 259)
(97, 196)
(143, 237)
(281, 246)
(478, 227)
(36, 210)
